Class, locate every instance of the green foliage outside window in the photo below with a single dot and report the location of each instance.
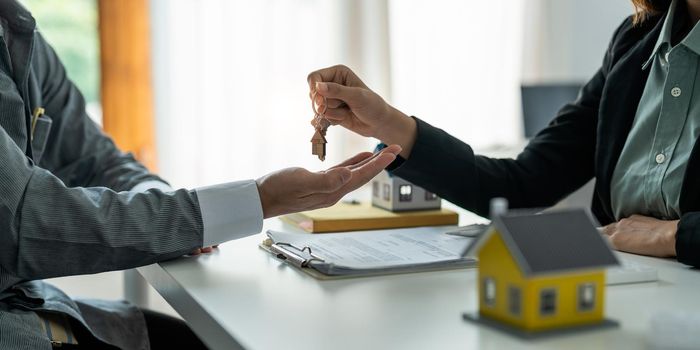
(70, 26)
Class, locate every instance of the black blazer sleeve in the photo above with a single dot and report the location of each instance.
(557, 161)
(688, 239)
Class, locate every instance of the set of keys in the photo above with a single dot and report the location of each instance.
(321, 124)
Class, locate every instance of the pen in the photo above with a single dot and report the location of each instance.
(38, 112)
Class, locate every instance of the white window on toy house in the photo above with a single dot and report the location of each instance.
(405, 193)
(488, 291)
(586, 297)
(430, 196)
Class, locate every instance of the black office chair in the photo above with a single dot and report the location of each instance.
(542, 101)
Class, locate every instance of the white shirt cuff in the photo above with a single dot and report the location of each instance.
(152, 184)
(230, 211)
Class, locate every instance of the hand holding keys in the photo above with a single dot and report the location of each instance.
(321, 124)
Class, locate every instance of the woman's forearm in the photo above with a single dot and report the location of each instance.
(400, 130)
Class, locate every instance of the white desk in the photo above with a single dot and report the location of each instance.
(241, 295)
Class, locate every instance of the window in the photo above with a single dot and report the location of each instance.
(405, 193)
(430, 196)
(514, 300)
(548, 302)
(489, 291)
(375, 189)
(419, 63)
(71, 29)
(387, 192)
(586, 297)
(272, 45)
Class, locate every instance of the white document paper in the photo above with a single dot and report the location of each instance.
(344, 253)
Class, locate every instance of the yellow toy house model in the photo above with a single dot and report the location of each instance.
(542, 274)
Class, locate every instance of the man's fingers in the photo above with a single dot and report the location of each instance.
(353, 160)
(363, 162)
(393, 149)
(329, 181)
(320, 200)
(361, 175)
(373, 167)
(328, 187)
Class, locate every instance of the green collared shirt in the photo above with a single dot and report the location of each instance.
(649, 174)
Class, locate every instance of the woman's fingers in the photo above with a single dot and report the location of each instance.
(338, 74)
(334, 103)
(338, 114)
(322, 103)
(349, 95)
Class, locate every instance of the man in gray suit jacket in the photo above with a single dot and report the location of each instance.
(72, 203)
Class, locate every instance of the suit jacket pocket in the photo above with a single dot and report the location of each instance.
(40, 136)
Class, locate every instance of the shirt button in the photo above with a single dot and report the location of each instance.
(660, 158)
(676, 91)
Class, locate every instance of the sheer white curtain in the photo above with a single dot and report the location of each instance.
(456, 64)
(230, 76)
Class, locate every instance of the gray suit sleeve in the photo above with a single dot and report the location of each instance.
(70, 213)
(48, 229)
(77, 151)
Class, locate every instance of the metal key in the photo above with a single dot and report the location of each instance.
(321, 124)
(318, 145)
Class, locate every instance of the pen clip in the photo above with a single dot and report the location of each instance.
(294, 255)
(38, 112)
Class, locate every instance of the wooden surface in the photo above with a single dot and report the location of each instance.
(353, 217)
(127, 96)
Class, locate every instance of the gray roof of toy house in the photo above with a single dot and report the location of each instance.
(554, 242)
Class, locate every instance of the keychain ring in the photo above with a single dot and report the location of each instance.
(315, 107)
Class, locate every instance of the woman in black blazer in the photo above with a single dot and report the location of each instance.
(584, 141)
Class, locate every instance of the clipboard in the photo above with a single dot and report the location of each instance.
(307, 259)
(284, 255)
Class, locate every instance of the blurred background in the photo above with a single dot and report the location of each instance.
(210, 91)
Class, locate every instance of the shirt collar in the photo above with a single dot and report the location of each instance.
(692, 40)
(665, 35)
(672, 25)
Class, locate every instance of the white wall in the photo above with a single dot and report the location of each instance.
(565, 40)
